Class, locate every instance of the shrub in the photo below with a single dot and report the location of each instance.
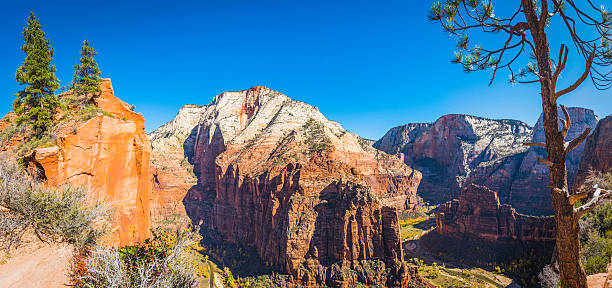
(25, 147)
(549, 278)
(169, 259)
(53, 214)
(596, 229)
(316, 139)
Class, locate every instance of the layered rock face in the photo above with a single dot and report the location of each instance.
(109, 155)
(447, 151)
(478, 213)
(172, 173)
(458, 150)
(597, 155)
(316, 201)
(521, 180)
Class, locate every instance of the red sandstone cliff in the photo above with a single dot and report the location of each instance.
(315, 201)
(109, 155)
(597, 155)
(478, 213)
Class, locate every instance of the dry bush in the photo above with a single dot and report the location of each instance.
(169, 259)
(53, 214)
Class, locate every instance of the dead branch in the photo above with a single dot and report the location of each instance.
(599, 195)
(585, 74)
(560, 63)
(533, 144)
(569, 146)
(566, 123)
(545, 162)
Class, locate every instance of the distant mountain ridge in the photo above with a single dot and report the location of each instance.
(447, 150)
(460, 149)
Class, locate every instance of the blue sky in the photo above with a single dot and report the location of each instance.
(370, 65)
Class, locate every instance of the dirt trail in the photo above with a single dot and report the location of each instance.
(33, 267)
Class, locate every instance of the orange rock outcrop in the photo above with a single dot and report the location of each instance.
(109, 155)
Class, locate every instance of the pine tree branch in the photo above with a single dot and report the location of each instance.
(561, 63)
(545, 162)
(569, 146)
(566, 123)
(585, 74)
(571, 198)
(533, 144)
(599, 195)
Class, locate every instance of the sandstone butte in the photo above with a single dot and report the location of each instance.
(315, 201)
(109, 155)
(479, 213)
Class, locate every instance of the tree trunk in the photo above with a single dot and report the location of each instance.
(568, 243)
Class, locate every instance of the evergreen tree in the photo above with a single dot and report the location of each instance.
(86, 73)
(36, 103)
(525, 27)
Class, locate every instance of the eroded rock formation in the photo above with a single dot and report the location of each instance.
(109, 155)
(447, 151)
(458, 150)
(315, 201)
(479, 213)
(172, 174)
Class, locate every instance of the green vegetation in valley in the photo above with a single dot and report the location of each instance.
(414, 224)
(445, 277)
(521, 261)
(36, 104)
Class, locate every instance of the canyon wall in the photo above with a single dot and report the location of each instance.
(478, 213)
(597, 155)
(447, 151)
(172, 174)
(109, 155)
(315, 201)
(458, 150)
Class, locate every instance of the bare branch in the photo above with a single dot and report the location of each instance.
(599, 195)
(571, 198)
(545, 162)
(560, 63)
(584, 76)
(569, 146)
(566, 123)
(532, 144)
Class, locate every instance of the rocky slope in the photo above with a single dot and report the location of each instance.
(172, 173)
(315, 201)
(105, 149)
(447, 151)
(479, 213)
(597, 155)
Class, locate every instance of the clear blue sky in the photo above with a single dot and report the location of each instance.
(369, 65)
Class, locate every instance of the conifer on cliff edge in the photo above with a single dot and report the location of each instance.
(36, 103)
(86, 79)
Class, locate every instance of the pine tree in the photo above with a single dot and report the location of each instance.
(525, 27)
(36, 103)
(86, 79)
